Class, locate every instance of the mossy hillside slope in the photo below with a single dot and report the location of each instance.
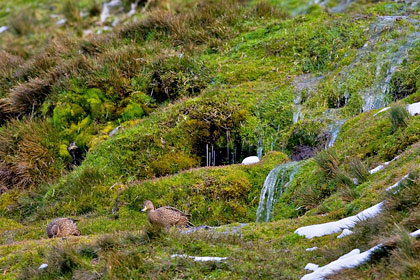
(230, 92)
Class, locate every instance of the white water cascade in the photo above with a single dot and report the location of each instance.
(274, 185)
(332, 131)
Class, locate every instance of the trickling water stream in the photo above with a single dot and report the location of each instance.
(390, 54)
(332, 131)
(274, 185)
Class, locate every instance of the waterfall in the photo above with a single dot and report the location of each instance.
(106, 9)
(260, 148)
(332, 131)
(274, 185)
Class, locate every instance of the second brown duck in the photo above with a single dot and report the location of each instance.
(166, 216)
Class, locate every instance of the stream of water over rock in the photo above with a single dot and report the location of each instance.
(274, 185)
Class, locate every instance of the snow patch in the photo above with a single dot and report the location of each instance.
(61, 21)
(311, 267)
(414, 108)
(397, 183)
(311, 249)
(345, 233)
(337, 226)
(200, 259)
(3, 28)
(250, 160)
(349, 260)
(415, 233)
(382, 166)
(377, 169)
(382, 110)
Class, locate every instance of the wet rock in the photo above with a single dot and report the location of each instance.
(76, 153)
(303, 152)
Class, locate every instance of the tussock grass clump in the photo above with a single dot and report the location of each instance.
(8, 62)
(27, 97)
(71, 11)
(328, 161)
(399, 117)
(358, 170)
(28, 154)
(23, 22)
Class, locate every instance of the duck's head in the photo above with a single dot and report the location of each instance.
(148, 205)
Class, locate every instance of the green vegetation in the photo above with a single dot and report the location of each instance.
(182, 79)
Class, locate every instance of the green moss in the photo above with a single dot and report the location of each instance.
(132, 111)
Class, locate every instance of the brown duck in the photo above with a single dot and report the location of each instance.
(62, 227)
(166, 216)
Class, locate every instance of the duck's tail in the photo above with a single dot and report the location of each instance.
(189, 224)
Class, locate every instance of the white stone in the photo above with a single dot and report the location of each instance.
(250, 160)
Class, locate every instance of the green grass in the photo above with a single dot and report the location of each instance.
(184, 75)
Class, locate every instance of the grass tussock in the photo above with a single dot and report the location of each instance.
(23, 22)
(328, 161)
(27, 97)
(399, 117)
(358, 170)
(28, 154)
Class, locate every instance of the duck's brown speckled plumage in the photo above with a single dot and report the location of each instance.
(166, 216)
(62, 227)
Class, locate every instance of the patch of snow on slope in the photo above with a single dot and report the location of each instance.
(382, 166)
(311, 249)
(311, 267)
(414, 108)
(200, 259)
(350, 260)
(345, 233)
(337, 226)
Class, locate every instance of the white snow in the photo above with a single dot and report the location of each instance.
(200, 259)
(414, 108)
(397, 183)
(415, 233)
(350, 260)
(311, 249)
(311, 266)
(382, 110)
(377, 169)
(382, 166)
(3, 28)
(250, 160)
(61, 21)
(42, 266)
(345, 233)
(337, 226)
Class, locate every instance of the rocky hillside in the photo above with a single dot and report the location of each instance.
(104, 105)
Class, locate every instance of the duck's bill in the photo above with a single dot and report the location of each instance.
(144, 209)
